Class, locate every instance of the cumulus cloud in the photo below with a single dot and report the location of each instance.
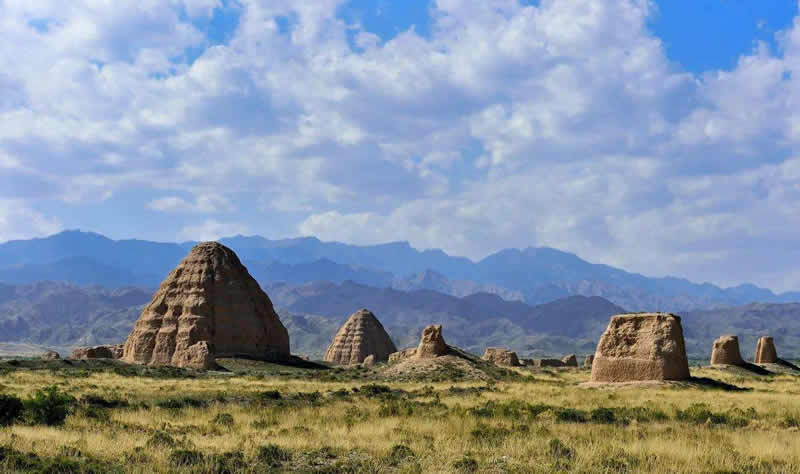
(561, 124)
(18, 221)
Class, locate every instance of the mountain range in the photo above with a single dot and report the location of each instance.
(532, 275)
(61, 315)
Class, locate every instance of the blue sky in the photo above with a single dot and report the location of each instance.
(659, 136)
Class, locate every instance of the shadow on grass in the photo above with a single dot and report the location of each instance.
(787, 364)
(707, 383)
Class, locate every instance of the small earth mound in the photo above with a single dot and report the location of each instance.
(434, 359)
(640, 347)
(570, 360)
(725, 351)
(765, 351)
(500, 356)
(361, 336)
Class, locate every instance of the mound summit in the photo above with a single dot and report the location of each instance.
(361, 336)
(641, 347)
(208, 306)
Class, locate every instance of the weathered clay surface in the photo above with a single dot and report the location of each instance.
(570, 360)
(500, 356)
(369, 361)
(208, 306)
(404, 354)
(640, 347)
(726, 351)
(362, 335)
(51, 355)
(432, 343)
(587, 362)
(765, 351)
(98, 352)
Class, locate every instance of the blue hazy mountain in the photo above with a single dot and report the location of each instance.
(535, 275)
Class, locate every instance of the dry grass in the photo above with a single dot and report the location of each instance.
(755, 433)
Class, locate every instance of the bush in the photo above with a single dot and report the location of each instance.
(268, 395)
(570, 415)
(185, 457)
(603, 415)
(101, 402)
(223, 419)
(227, 463)
(560, 450)
(11, 409)
(49, 406)
(699, 413)
(400, 454)
(273, 455)
(489, 434)
(467, 464)
(161, 439)
(374, 390)
(183, 402)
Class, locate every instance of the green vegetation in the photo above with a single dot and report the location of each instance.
(542, 421)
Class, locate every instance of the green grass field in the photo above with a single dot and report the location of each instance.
(266, 418)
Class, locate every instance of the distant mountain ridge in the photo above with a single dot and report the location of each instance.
(534, 275)
(60, 315)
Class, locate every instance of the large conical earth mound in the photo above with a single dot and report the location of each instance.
(208, 306)
(361, 336)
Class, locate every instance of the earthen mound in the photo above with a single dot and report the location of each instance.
(98, 352)
(51, 355)
(765, 351)
(640, 347)
(208, 306)
(434, 359)
(500, 356)
(587, 362)
(362, 335)
(726, 351)
(432, 343)
(570, 360)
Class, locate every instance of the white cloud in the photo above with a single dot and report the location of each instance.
(563, 125)
(18, 221)
(202, 204)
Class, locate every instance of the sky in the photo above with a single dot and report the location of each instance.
(657, 136)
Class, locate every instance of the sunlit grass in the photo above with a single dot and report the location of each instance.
(751, 435)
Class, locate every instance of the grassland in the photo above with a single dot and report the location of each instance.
(308, 420)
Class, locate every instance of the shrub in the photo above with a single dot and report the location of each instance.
(223, 419)
(560, 450)
(400, 454)
(312, 397)
(467, 464)
(791, 421)
(49, 406)
(227, 463)
(699, 413)
(374, 390)
(268, 395)
(570, 415)
(273, 455)
(489, 434)
(603, 415)
(161, 439)
(185, 457)
(183, 402)
(11, 409)
(101, 402)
